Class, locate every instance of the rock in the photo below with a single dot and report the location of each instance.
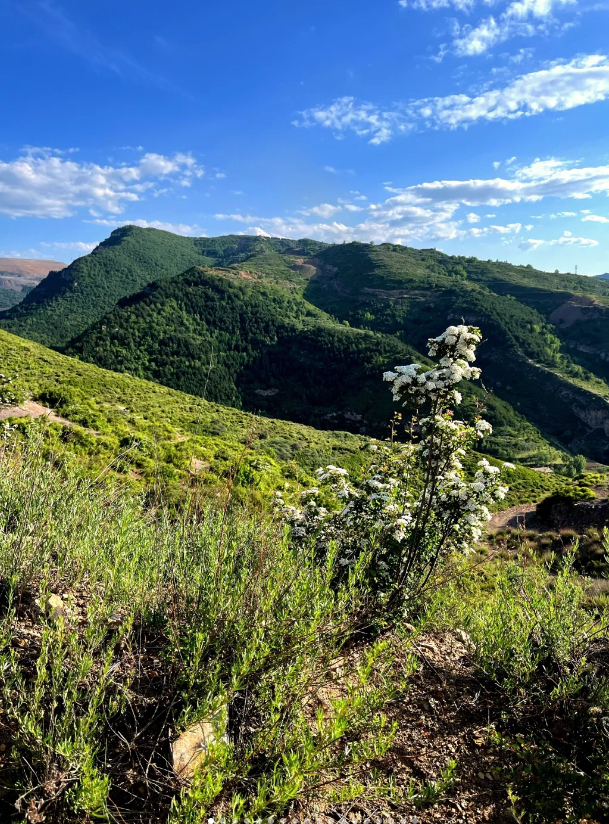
(410, 628)
(53, 606)
(190, 749)
(465, 639)
(115, 621)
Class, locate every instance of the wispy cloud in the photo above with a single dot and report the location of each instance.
(54, 23)
(523, 18)
(566, 240)
(176, 228)
(334, 171)
(520, 18)
(70, 245)
(47, 185)
(441, 209)
(558, 87)
(434, 5)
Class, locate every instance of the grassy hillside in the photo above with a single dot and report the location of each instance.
(164, 435)
(152, 435)
(238, 335)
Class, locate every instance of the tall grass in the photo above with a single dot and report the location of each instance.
(538, 647)
(247, 630)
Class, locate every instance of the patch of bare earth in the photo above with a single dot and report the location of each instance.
(447, 715)
(29, 409)
(522, 516)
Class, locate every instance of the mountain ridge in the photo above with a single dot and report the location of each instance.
(354, 304)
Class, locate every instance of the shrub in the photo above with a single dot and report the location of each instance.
(414, 503)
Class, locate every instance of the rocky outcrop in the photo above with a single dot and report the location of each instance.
(577, 308)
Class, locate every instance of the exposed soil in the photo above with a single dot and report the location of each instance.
(33, 268)
(29, 409)
(522, 516)
(577, 308)
(448, 714)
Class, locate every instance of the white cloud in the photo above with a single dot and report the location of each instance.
(596, 218)
(558, 87)
(47, 185)
(472, 217)
(72, 246)
(439, 210)
(566, 240)
(324, 210)
(434, 5)
(531, 243)
(548, 178)
(365, 119)
(511, 228)
(523, 18)
(176, 228)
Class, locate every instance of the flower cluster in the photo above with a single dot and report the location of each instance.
(415, 501)
(455, 350)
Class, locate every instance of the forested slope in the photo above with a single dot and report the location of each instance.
(301, 329)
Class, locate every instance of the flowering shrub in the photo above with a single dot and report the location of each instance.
(414, 503)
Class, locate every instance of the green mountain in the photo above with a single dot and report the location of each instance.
(301, 330)
(242, 340)
(67, 302)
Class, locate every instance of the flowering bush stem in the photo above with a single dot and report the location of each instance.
(414, 503)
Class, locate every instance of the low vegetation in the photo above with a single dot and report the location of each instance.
(292, 637)
(155, 438)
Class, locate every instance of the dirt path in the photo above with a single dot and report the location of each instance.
(29, 409)
(516, 516)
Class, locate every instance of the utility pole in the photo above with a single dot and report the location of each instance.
(576, 268)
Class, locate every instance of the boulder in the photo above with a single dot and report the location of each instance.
(190, 749)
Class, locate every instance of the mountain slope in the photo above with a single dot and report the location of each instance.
(67, 302)
(529, 361)
(233, 340)
(18, 276)
(154, 436)
(242, 341)
(165, 435)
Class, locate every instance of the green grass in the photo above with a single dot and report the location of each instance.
(541, 650)
(161, 432)
(211, 614)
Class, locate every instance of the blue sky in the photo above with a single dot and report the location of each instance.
(479, 127)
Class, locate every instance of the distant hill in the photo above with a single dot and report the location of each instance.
(301, 330)
(603, 277)
(18, 276)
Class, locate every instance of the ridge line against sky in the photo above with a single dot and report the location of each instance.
(447, 121)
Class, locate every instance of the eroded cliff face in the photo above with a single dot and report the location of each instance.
(577, 308)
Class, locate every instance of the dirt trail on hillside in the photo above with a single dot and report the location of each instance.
(516, 516)
(29, 409)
